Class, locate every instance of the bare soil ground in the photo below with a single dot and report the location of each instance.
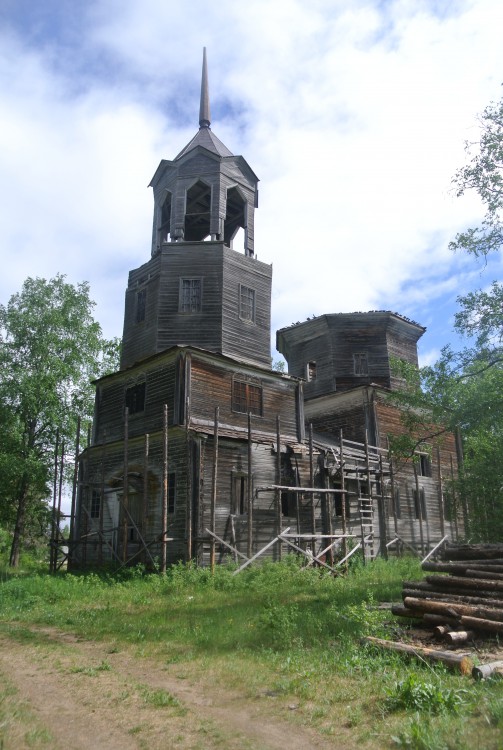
(60, 691)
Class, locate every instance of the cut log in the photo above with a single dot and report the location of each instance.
(489, 574)
(400, 611)
(473, 552)
(481, 671)
(440, 631)
(460, 582)
(452, 596)
(461, 662)
(478, 623)
(454, 637)
(454, 609)
(432, 619)
(460, 568)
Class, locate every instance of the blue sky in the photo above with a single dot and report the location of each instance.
(353, 113)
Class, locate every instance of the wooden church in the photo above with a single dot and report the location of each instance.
(199, 450)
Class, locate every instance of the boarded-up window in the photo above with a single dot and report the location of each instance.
(246, 397)
(419, 503)
(247, 303)
(141, 303)
(190, 295)
(135, 398)
(361, 365)
(95, 510)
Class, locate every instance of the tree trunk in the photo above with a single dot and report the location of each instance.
(17, 538)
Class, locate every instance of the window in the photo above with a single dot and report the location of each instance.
(361, 365)
(424, 465)
(135, 398)
(419, 503)
(141, 301)
(246, 397)
(171, 491)
(95, 504)
(338, 504)
(239, 494)
(246, 303)
(311, 371)
(289, 502)
(190, 295)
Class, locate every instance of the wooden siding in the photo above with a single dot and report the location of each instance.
(217, 326)
(333, 341)
(162, 386)
(103, 468)
(211, 386)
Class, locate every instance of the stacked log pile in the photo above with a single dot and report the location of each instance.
(462, 597)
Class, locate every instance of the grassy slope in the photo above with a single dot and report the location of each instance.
(292, 631)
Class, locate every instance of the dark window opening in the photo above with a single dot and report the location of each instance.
(135, 398)
(239, 494)
(190, 295)
(247, 303)
(171, 491)
(95, 510)
(235, 215)
(165, 225)
(361, 365)
(197, 214)
(141, 303)
(424, 465)
(311, 371)
(338, 505)
(246, 397)
(289, 502)
(419, 503)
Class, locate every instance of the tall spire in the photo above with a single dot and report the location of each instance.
(204, 108)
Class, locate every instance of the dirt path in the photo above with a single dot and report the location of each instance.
(70, 692)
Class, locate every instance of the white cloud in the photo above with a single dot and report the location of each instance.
(353, 114)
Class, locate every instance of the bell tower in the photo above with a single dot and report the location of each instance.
(196, 289)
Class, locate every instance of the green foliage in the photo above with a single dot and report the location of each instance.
(50, 350)
(421, 734)
(462, 391)
(430, 697)
(484, 174)
(277, 629)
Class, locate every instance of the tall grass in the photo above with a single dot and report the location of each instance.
(293, 632)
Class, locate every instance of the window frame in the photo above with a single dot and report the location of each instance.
(247, 303)
(361, 364)
(183, 305)
(135, 397)
(141, 305)
(95, 507)
(247, 396)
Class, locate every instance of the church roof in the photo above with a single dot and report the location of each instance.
(208, 140)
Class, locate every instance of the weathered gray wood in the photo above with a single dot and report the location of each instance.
(482, 671)
(455, 637)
